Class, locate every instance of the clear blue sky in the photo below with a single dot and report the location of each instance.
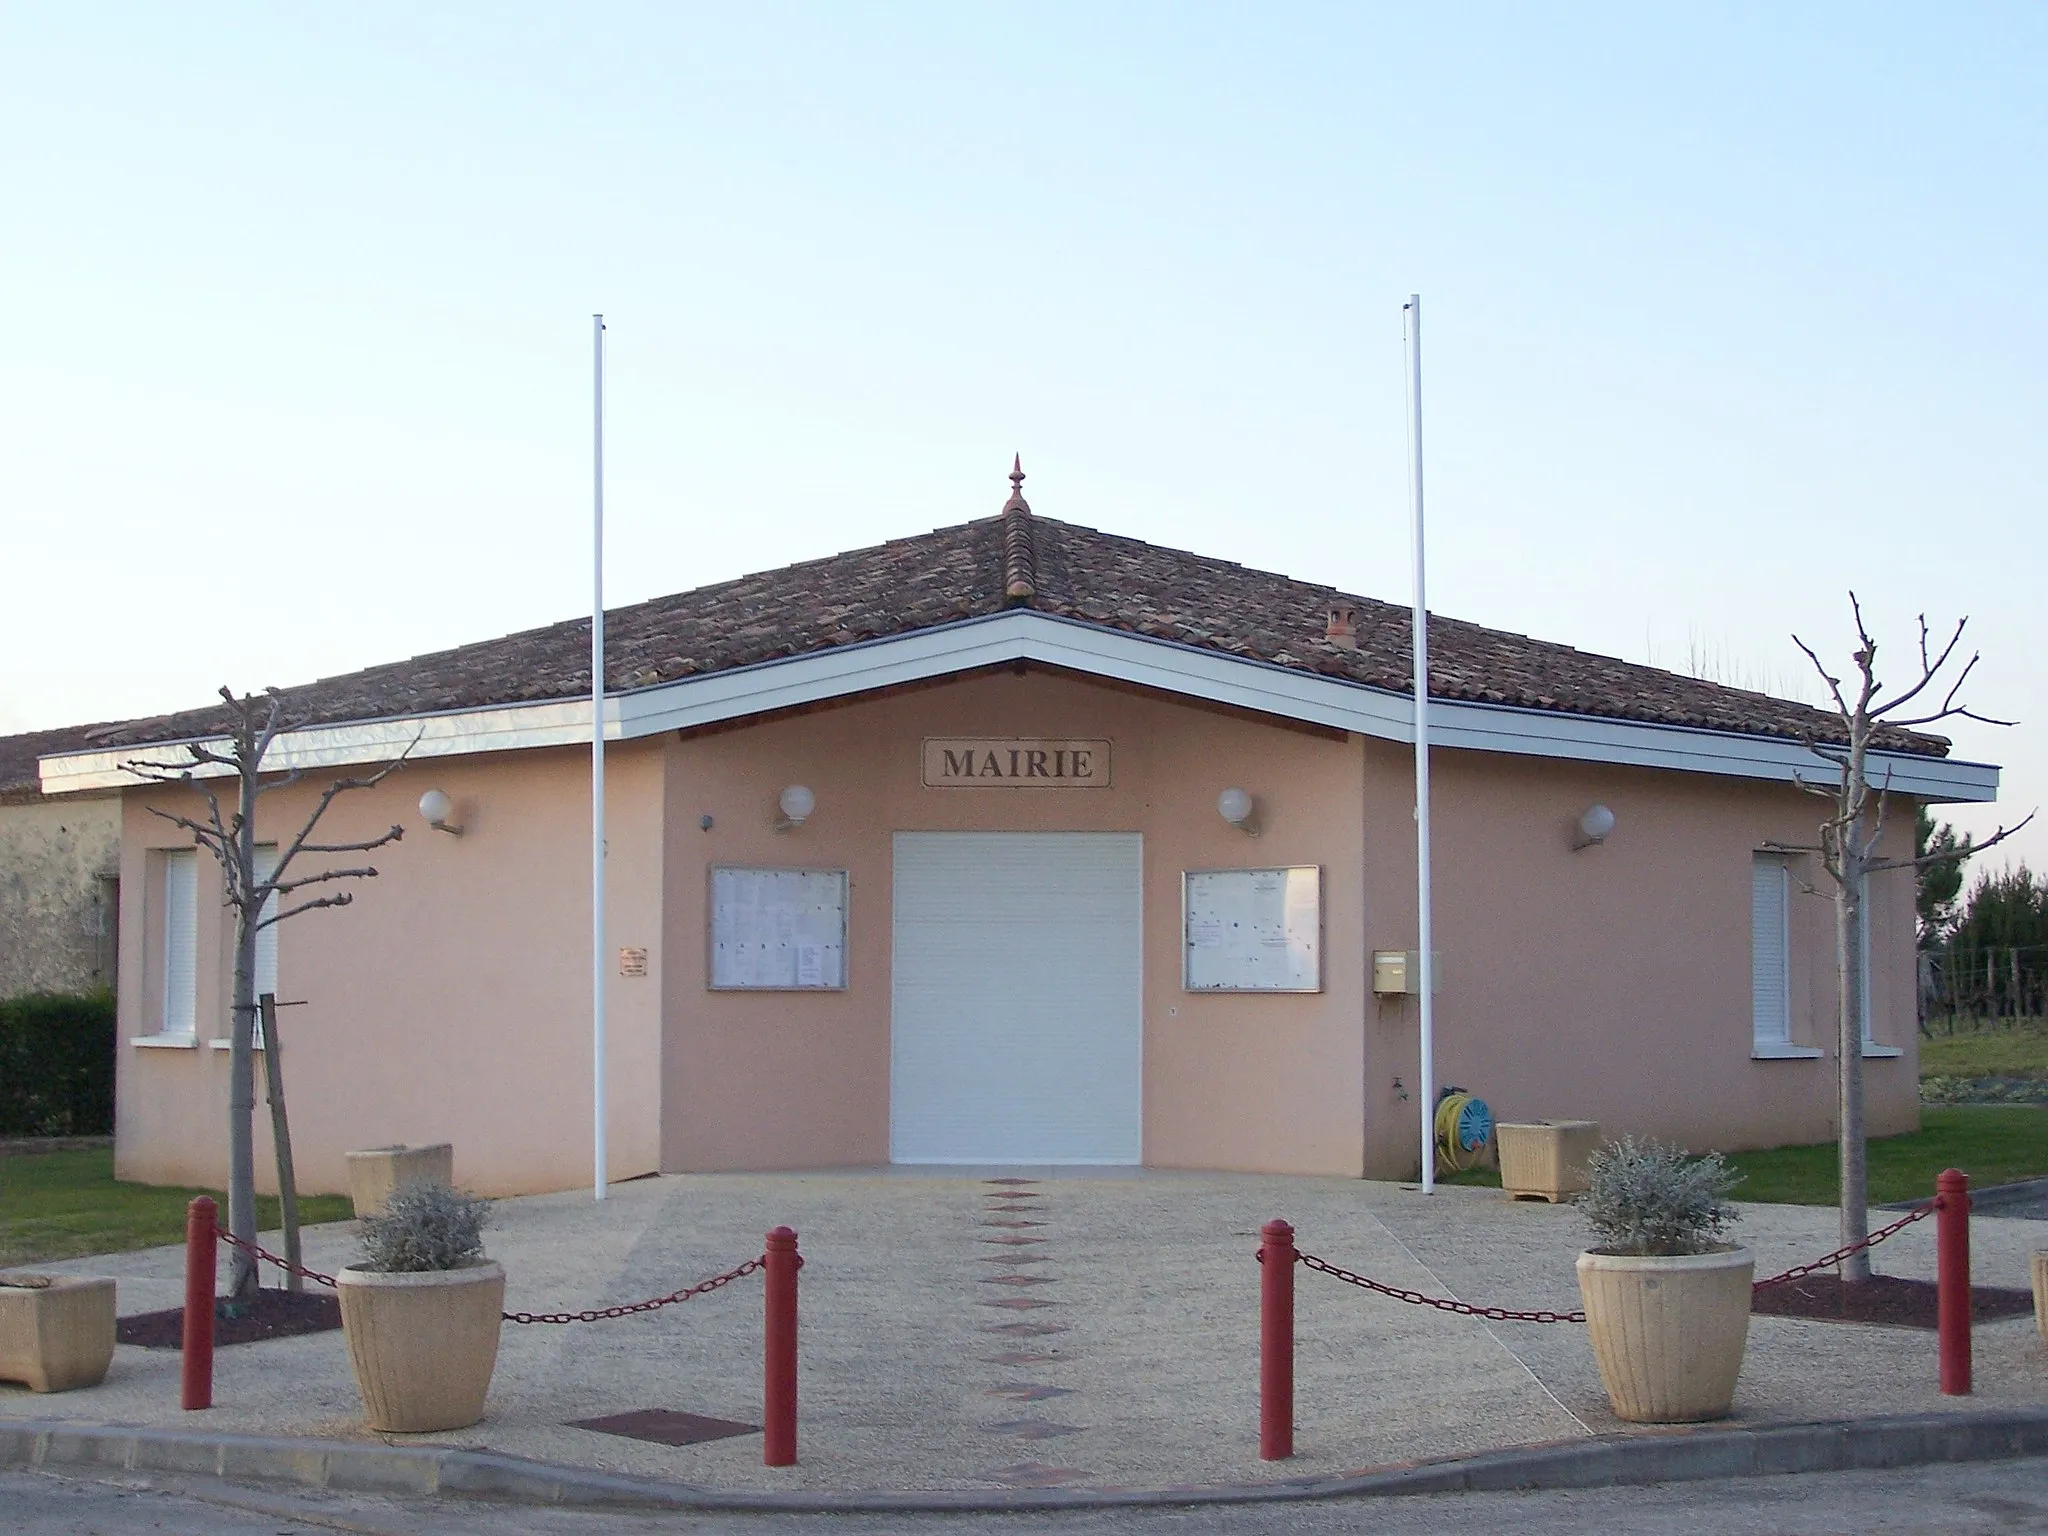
(1729, 310)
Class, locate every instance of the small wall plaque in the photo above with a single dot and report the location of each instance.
(632, 962)
(1015, 762)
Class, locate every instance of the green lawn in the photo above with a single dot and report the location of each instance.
(1993, 1144)
(2011, 1048)
(65, 1205)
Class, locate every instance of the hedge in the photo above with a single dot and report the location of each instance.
(57, 1064)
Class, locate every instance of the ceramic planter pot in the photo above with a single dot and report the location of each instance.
(422, 1345)
(1668, 1332)
(376, 1171)
(56, 1332)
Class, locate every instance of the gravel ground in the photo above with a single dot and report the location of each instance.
(1118, 1351)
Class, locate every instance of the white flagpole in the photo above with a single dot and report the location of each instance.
(597, 965)
(1426, 959)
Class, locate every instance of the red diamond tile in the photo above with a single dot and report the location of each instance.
(1028, 1391)
(1018, 1258)
(1006, 1222)
(1016, 1242)
(1032, 1429)
(1020, 1280)
(1026, 1330)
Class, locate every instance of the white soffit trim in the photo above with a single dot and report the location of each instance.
(1025, 635)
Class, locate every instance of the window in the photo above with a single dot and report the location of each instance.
(1770, 962)
(179, 934)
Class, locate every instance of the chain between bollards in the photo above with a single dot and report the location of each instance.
(1277, 1257)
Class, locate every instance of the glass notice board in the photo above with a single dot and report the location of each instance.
(1253, 930)
(778, 930)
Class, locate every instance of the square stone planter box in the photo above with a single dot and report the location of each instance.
(375, 1172)
(56, 1332)
(1546, 1160)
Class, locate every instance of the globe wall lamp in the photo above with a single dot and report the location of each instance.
(794, 807)
(1237, 807)
(1593, 827)
(435, 809)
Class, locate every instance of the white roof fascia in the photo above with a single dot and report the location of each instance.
(1026, 635)
(1217, 677)
(454, 734)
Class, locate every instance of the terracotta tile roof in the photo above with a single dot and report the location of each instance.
(955, 573)
(18, 754)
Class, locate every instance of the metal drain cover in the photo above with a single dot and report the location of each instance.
(665, 1427)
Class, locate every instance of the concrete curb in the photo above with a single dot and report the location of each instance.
(1684, 1455)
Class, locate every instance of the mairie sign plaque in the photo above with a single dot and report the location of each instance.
(1014, 762)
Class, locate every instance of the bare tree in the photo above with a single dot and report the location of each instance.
(1848, 853)
(255, 722)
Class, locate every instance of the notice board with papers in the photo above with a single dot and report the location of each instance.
(778, 930)
(1253, 930)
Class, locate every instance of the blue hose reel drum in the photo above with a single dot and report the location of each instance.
(1464, 1130)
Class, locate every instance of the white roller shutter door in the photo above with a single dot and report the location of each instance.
(1017, 1018)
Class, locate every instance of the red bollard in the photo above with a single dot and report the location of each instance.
(1952, 1279)
(1276, 1341)
(195, 1388)
(778, 1396)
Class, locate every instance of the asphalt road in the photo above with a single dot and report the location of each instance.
(1954, 1500)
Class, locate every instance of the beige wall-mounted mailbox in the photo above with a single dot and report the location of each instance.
(1398, 972)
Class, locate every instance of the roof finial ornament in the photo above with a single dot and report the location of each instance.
(1020, 563)
(1017, 500)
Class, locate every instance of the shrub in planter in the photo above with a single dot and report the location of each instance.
(421, 1311)
(1667, 1300)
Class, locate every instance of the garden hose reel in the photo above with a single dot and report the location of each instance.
(1464, 1131)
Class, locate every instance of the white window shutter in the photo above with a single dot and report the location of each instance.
(1863, 926)
(266, 938)
(180, 936)
(1770, 952)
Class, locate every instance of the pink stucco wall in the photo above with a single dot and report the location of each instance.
(451, 1001)
(1612, 983)
(772, 1080)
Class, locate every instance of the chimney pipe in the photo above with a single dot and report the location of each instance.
(1342, 628)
